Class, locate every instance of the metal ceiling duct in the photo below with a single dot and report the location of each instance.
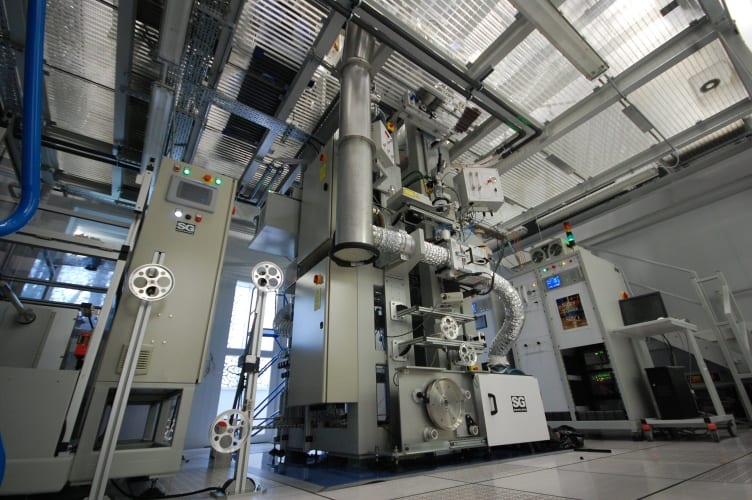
(354, 239)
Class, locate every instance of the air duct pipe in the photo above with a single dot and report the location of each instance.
(397, 242)
(354, 239)
(32, 120)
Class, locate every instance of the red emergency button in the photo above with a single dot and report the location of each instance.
(198, 218)
(176, 168)
(322, 157)
(318, 279)
(207, 177)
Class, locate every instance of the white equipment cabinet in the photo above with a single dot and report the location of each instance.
(512, 409)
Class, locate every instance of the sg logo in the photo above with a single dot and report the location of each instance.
(519, 404)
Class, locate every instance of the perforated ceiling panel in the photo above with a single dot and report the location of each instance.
(541, 81)
(534, 181)
(599, 144)
(81, 107)
(623, 32)
(460, 30)
(675, 100)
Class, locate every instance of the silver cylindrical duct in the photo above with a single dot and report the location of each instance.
(390, 241)
(354, 240)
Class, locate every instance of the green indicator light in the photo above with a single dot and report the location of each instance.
(544, 269)
(187, 171)
(218, 181)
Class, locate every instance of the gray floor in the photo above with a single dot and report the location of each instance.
(658, 470)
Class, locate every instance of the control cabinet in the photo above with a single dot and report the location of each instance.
(480, 188)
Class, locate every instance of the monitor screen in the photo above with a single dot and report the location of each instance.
(195, 193)
(642, 308)
(480, 322)
(553, 282)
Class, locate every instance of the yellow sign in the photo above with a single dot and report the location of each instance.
(317, 299)
(411, 193)
(322, 172)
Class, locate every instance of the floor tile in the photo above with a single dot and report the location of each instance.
(735, 472)
(706, 455)
(391, 489)
(557, 459)
(583, 485)
(483, 472)
(702, 490)
(480, 492)
(616, 465)
(279, 493)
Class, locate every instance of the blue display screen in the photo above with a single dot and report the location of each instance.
(475, 308)
(553, 282)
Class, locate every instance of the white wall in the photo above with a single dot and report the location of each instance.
(700, 221)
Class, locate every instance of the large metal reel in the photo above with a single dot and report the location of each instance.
(444, 403)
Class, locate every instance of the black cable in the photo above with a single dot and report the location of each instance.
(493, 275)
(222, 489)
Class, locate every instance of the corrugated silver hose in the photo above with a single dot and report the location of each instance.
(399, 242)
(514, 317)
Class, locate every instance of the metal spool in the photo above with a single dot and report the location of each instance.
(449, 328)
(444, 404)
(229, 431)
(267, 277)
(151, 282)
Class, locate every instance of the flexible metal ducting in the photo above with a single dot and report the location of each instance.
(399, 242)
(354, 241)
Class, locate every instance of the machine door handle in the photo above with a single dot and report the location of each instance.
(493, 400)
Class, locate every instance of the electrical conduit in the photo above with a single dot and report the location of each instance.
(32, 120)
(399, 242)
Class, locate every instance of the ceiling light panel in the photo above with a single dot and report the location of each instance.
(541, 81)
(535, 181)
(223, 154)
(696, 88)
(286, 29)
(400, 75)
(84, 168)
(460, 30)
(144, 68)
(602, 142)
(625, 31)
(492, 140)
(315, 100)
(80, 37)
(81, 107)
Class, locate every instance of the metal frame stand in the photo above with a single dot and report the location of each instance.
(109, 445)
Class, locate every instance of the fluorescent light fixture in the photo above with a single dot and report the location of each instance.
(157, 124)
(597, 197)
(175, 18)
(562, 35)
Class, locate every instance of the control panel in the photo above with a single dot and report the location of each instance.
(186, 221)
(480, 188)
(561, 273)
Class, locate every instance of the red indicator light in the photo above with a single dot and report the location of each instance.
(198, 218)
(318, 279)
(176, 168)
(207, 177)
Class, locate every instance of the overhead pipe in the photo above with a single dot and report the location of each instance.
(32, 120)
(353, 238)
(397, 242)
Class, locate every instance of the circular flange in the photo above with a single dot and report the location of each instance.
(229, 431)
(466, 355)
(151, 282)
(267, 277)
(445, 401)
(449, 328)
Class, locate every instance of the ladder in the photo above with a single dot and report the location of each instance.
(730, 330)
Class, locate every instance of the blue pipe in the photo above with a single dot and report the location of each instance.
(32, 120)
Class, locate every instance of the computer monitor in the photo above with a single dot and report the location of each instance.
(642, 308)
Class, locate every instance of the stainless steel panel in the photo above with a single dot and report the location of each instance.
(317, 211)
(278, 226)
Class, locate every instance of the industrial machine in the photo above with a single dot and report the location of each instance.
(385, 357)
(589, 378)
(121, 410)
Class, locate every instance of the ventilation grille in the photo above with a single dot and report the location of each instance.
(143, 362)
